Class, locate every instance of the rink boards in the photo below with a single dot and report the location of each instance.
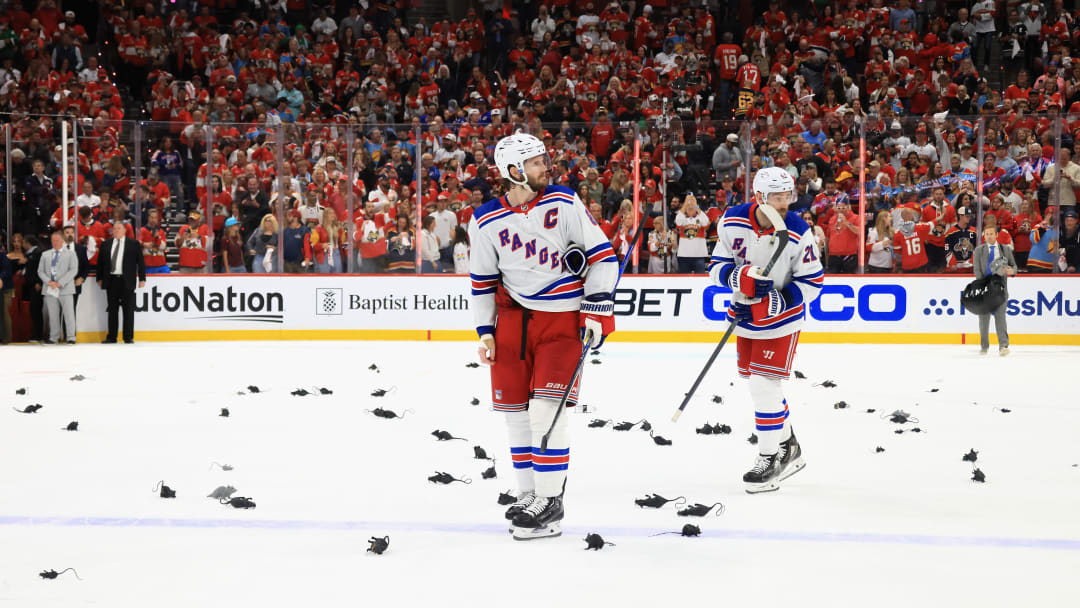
(672, 308)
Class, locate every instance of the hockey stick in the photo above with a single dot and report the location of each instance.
(782, 235)
(585, 348)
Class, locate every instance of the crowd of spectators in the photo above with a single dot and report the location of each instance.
(283, 135)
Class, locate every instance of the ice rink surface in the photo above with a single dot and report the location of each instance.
(857, 527)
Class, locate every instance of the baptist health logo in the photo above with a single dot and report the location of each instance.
(938, 308)
(328, 300)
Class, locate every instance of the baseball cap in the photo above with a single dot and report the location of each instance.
(650, 183)
(733, 138)
(1070, 213)
(961, 211)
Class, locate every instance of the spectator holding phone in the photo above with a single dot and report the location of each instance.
(692, 226)
(843, 236)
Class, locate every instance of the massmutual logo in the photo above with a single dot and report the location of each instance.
(1044, 304)
(938, 308)
(328, 300)
(228, 305)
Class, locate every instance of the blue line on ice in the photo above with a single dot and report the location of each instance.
(869, 538)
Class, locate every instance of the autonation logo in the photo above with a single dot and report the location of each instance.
(228, 305)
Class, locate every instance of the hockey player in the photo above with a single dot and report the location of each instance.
(542, 277)
(769, 311)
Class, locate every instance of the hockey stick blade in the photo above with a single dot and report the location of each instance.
(585, 348)
(781, 234)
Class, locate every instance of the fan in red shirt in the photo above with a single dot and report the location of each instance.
(192, 243)
(937, 205)
(1002, 217)
(645, 31)
(911, 240)
(158, 191)
(1019, 89)
(726, 58)
(748, 77)
(154, 240)
(602, 134)
(607, 227)
(91, 233)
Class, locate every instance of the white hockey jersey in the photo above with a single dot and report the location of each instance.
(521, 248)
(797, 274)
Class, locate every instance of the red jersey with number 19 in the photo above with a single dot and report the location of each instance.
(727, 60)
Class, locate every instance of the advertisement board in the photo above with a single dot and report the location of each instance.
(672, 308)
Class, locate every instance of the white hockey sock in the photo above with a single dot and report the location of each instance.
(517, 423)
(770, 412)
(549, 468)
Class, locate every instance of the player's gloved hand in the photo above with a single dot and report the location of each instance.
(597, 319)
(740, 308)
(749, 281)
(486, 349)
(757, 309)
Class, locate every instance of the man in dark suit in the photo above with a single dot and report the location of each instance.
(32, 288)
(84, 261)
(120, 264)
(993, 258)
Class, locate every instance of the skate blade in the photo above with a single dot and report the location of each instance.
(759, 488)
(550, 531)
(796, 465)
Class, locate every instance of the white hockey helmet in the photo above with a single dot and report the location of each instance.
(513, 151)
(773, 179)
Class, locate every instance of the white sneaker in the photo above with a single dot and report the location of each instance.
(1004, 351)
(984, 351)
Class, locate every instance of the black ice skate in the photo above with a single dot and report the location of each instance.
(765, 476)
(541, 519)
(524, 500)
(791, 460)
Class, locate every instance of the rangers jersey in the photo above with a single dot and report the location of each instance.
(521, 248)
(797, 274)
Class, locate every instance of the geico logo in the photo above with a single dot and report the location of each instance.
(836, 303)
(895, 303)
